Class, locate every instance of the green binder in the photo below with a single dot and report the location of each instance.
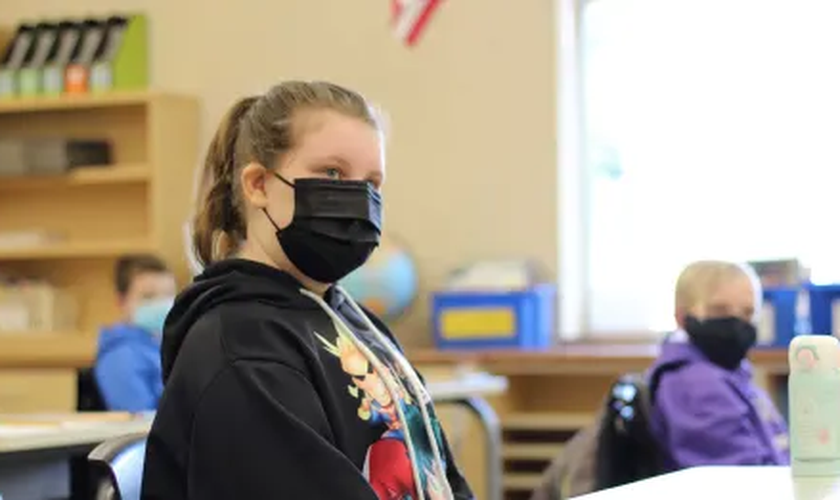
(13, 59)
(30, 75)
(122, 63)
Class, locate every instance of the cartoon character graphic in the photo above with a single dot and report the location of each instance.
(388, 467)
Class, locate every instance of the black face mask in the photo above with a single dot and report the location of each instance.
(725, 341)
(335, 227)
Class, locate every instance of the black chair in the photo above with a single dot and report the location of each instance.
(117, 467)
(627, 450)
(87, 392)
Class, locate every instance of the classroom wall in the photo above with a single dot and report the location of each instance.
(473, 148)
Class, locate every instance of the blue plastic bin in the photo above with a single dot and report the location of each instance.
(783, 301)
(495, 320)
(823, 298)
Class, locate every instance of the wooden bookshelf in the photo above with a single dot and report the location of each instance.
(137, 204)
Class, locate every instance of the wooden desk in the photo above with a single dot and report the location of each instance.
(725, 483)
(577, 359)
(35, 450)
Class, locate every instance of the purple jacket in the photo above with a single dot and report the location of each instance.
(705, 415)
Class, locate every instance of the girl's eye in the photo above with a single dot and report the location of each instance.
(333, 173)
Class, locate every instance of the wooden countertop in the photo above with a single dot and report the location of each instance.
(69, 350)
(576, 358)
(55, 350)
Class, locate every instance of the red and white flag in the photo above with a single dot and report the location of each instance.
(410, 17)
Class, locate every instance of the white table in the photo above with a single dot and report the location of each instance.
(35, 450)
(469, 391)
(725, 483)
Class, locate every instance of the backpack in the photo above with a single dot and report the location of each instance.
(617, 448)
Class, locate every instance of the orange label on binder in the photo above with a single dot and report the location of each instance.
(76, 79)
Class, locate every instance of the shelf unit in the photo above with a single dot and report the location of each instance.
(137, 204)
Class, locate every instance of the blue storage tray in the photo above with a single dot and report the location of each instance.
(495, 320)
(822, 308)
(783, 300)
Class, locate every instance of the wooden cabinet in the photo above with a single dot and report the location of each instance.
(38, 390)
(139, 203)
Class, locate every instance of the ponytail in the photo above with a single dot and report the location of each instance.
(218, 225)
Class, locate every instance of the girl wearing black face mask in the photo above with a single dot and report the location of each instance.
(278, 385)
(706, 408)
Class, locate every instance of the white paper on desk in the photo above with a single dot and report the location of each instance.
(12, 431)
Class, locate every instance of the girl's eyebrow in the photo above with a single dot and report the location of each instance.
(334, 159)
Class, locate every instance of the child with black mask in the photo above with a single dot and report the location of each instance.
(278, 385)
(706, 409)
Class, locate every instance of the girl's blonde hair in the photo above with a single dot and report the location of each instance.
(699, 280)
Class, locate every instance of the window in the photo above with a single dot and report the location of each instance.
(711, 130)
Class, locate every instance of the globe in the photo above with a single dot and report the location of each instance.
(387, 283)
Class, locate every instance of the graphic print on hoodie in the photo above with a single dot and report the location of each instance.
(257, 406)
(405, 456)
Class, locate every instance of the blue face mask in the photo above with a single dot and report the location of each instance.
(151, 314)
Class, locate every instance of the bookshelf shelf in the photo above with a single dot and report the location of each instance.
(88, 218)
(75, 250)
(93, 175)
(81, 102)
(46, 350)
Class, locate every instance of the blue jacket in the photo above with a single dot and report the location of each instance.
(127, 369)
(705, 415)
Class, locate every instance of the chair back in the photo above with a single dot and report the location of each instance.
(627, 449)
(89, 397)
(117, 465)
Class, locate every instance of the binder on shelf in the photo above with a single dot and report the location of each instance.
(78, 71)
(68, 34)
(30, 74)
(13, 59)
(122, 61)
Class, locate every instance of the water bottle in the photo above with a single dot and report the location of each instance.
(814, 395)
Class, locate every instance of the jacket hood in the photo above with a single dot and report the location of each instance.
(234, 280)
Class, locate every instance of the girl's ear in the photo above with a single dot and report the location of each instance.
(252, 179)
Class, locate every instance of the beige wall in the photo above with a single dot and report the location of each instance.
(473, 151)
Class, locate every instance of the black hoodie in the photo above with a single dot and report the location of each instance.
(272, 393)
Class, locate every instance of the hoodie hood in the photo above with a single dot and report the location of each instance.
(234, 280)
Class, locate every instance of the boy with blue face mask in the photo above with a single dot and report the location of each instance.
(128, 370)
